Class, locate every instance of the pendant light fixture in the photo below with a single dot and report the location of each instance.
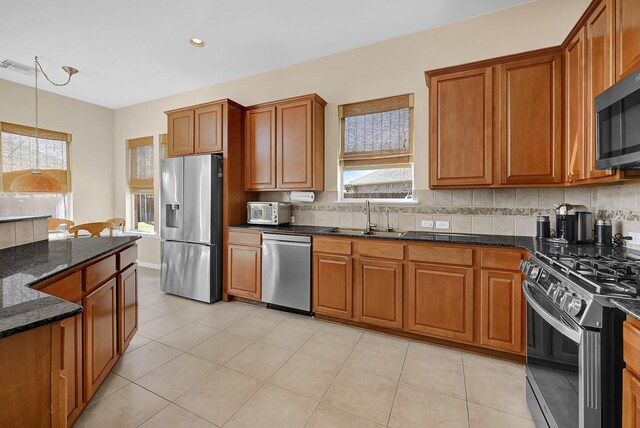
(36, 181)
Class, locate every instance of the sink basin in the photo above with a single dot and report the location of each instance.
(361, 232)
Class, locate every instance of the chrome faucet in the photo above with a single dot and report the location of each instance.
(389, 227)
(367, 210)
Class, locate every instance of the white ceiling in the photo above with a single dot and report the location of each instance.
(131, 51)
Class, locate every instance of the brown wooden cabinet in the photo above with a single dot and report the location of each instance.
(181, 139)
(208, 129)
(379, 285)
(461, 131)
(630, 400)
(575, 107)
(284, 143)
(501, 310)
(244, 264)
(71, 369)
(333, 285)
(531, 120)
(197, 129)
(127, 306)
(440, 301)
(627, 37)
(100, 335)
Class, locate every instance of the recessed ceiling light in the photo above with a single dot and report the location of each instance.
(197, 42)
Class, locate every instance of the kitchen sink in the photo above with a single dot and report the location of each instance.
(361, 232)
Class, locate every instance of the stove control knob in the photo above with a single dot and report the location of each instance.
(559, 293)
(534, 271)
(575, 306)
(551, 290)
(524, 266)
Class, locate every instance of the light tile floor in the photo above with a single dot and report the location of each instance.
(238, 365)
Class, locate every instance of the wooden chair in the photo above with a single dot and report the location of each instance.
(93, 228)
(55, 222)
(117, 222)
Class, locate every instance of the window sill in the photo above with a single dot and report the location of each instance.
(377, 202)
(142, 234)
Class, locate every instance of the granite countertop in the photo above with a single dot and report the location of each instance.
(628, 306)
(14, 218)
(22, 267)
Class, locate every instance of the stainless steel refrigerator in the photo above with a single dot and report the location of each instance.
(191, 204)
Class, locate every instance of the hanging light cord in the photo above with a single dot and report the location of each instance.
(38, 66)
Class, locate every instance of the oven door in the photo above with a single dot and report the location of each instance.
(563, 372)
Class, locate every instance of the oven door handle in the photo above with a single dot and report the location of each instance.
(566, 330)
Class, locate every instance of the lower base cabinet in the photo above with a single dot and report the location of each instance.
(71, 369)
(501, 310)
(440, 301)
(244, 272)
(630, 400)
(333, 285)
(127, 306)
(380, 292)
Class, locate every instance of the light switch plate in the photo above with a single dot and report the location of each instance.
(427, 223)
(442, 224)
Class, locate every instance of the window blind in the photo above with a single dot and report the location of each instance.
(377, 132)
(141, 165)
(22, 154)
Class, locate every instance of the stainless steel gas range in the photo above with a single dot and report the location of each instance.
(574, 337)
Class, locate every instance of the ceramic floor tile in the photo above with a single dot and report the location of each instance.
(161, 326)
(171, 304)
(143, 360)
(415, 407)
(145, 315)
(149, 299)
(128, 407)
(260, 360)
(188, 336)
(137, 341)
(177, 376)
(253, 327)
(328, 346)
(507, 392)
(435, 374)
(485, 417)
(197, 311)
(384, 339)
(288, 336)
(219, 396)
(173, 416)
(423, 350)
(380, 358)
(487, 363)
(272, 314)
(223, 317)
(273, 407)
(328, 417)
(243, 308)
(111, 384)
(304, 321)
(221, 347)
(362, 394)
(342, 330)
(306, 376)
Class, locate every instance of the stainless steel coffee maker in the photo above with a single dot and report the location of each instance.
(574, 224)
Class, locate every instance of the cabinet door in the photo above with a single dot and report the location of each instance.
(380, 292)
(127, 306)
(630, 400)
(181, 133)
(333, 285)
(260, 156)
(627, 37)
(600, 75)
(440, 301)
(531, 121)
(244, 271)
(71, 368)
(100, 336)
(208, 129)
(295, 146)
(501, 310)
(461, 128)
(575, 107)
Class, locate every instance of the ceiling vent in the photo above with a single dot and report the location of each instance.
(10, 64)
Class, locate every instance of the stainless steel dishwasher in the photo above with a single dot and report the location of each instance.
(286, 271)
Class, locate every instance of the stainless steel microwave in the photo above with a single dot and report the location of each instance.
(618, 125)
(271, 213)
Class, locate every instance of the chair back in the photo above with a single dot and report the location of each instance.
(55, 222)
(117, 222)
(93, 228)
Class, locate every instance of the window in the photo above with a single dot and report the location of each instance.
(34, 171)
(376, 151)
(164, 141)
(141, 184)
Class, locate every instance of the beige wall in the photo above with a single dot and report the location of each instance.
(92, 156)
(389, 68)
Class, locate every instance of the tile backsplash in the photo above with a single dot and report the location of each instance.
(497, 211)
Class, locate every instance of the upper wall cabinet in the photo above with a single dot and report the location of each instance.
(196, 130)
(284, 145)
(627, 37)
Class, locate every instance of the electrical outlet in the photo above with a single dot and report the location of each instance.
(442, 224)
(635, 238)
(293, 219)
(427, 223)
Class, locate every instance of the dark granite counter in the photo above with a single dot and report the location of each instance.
(21, 267)
(628, 306)
(12, 219)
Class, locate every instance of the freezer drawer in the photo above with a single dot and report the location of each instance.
(191, 270)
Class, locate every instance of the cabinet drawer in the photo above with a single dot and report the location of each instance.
(631, 346)
(69, 288)
(384, 251)
(507, 260)
(127, 257)
(98, 273)
(245, 238)
(332, 246)
(441, 254)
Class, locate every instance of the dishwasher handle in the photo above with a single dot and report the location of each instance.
(266, 245)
